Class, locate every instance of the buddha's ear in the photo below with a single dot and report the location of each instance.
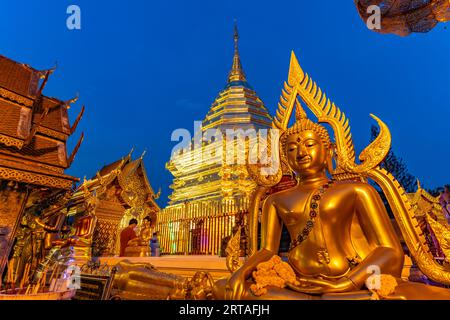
(330, 156)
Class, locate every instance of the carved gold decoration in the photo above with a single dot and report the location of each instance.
(442, 234)
(422, 203)
(35, 178)
(134, 192)
(105, 237)
(52, 133)
(233, 251)
(8, 95)
(409, 226)
(11, 142)
(299, 84)
(9, 161)
(255, 170)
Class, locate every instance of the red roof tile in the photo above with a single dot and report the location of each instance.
(18, 78)
(14, 120)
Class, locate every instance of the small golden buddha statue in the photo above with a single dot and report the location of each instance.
(140, 246)
(80, 239)
(83, 228)
(82, 233)
(146, 231)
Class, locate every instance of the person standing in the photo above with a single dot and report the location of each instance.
(154, 245)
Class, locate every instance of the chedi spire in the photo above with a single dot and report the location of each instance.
(236, 73)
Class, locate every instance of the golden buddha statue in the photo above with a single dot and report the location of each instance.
(318, 214)
(340, 229)
(146, 232)
(83, 228)
(81, 235)
(80, 239)
(140, 246)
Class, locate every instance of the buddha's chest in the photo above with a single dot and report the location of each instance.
(330, 209)
(319, 229)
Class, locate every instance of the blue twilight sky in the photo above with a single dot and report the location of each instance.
(144, 68)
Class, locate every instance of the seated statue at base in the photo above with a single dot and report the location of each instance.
(140, 246)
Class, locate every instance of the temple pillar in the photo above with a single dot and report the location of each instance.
(109, 216)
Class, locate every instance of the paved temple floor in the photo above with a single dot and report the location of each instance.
(181, 265)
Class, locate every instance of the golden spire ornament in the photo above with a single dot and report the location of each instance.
(236, 73)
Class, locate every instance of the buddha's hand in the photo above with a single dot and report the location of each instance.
(235, 286)
(320, 286)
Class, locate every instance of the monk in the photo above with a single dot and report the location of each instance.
(127, 235)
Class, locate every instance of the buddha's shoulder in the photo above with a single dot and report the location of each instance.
(347, 186)
(353, 186)
(281, 195)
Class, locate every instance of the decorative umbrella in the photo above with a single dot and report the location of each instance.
(403, 17)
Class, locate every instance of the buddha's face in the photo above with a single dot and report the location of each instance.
(306, 153)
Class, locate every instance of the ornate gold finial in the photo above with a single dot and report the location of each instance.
(67, 103)
(236, 73)
(302, 123)
(130, 153)
(156, 196)
(300, 113)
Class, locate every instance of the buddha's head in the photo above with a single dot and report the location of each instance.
(307, 148)
(146, 222)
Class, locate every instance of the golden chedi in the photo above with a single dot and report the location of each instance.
(210, 187)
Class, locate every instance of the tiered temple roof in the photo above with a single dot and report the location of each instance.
(131, 179)
(123, 191)
(34, 128)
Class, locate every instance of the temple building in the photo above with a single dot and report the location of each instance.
(103, 205)
(211, 194)
(34, 130)
(429, 214)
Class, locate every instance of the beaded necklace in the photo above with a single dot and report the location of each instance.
(313, 213)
